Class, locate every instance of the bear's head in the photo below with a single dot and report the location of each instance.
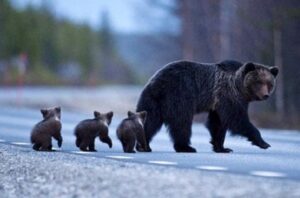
(51, 113)
(104, 118)
(257, 81)
(138, 116)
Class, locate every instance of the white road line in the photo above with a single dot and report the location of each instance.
(20, 143)
(267, 174)
(212, 168)
(81, 152)
(162, 162)
(2, 140)
(119, 157)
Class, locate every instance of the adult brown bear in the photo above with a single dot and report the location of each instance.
(182, 89)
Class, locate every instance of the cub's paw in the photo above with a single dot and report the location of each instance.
(222, 150)
(184, 149)
(139, 148)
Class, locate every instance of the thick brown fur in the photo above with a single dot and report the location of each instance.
(87, 131)
(49, 127)
(182, 89)
(131, 132)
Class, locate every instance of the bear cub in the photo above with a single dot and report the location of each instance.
(131, 132)
(87, 131)
(49, 127)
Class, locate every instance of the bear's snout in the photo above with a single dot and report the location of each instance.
(263, 92)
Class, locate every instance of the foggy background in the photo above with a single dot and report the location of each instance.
(93, 44)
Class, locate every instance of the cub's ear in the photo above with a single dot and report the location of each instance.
(57, 109)
(97, 114)
(109, 116)
(44, 112)
(248, 67)
(274, 71)
(143, 115)
(130, 114)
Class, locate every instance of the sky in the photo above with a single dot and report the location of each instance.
(125, 15)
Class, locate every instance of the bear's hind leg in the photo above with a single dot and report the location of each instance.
(46, 146)
(181, 134)
(84, 144)
(217, 132)
(129, 146)
(92, 145)
(152, 125)
(36, 146)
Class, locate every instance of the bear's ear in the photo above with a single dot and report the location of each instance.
(97, 114)
(44, 112)
(143, 115)
(130, 114)
(57, 109)
(248, 67)
(109, 116)
(274, 71)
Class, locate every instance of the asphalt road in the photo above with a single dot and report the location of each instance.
(281, 161)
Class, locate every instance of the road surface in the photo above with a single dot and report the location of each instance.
(281, 161)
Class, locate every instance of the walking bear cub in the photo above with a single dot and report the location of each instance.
(87, 131)
(182, 89)
(131, 132)
(49, 127)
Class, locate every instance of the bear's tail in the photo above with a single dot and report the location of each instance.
(78, 141)
(32, 139)
(154, 119)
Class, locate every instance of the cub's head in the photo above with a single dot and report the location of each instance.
(51, 113)
(257, 81)
(138, 116)
(104, 117)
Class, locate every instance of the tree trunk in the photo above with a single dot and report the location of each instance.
(277, 36)
(187, 33)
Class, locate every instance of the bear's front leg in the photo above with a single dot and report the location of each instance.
(247, 129)
(217, 132)
(57, 136)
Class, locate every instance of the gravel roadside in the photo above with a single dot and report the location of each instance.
(25, 173)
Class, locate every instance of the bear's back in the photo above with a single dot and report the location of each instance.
(44, 130)
(184, 75)
(129, 126)
(89, 127)
(229, 65)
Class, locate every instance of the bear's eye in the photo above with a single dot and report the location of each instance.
(270, 86)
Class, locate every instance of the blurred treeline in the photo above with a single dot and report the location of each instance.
(38, 48)
(57, 51)
(265, 31)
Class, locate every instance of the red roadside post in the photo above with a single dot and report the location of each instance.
(22, 64)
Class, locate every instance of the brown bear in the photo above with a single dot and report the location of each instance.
(87, 131)
(131, 132)
(49, 127)
(182, 89)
